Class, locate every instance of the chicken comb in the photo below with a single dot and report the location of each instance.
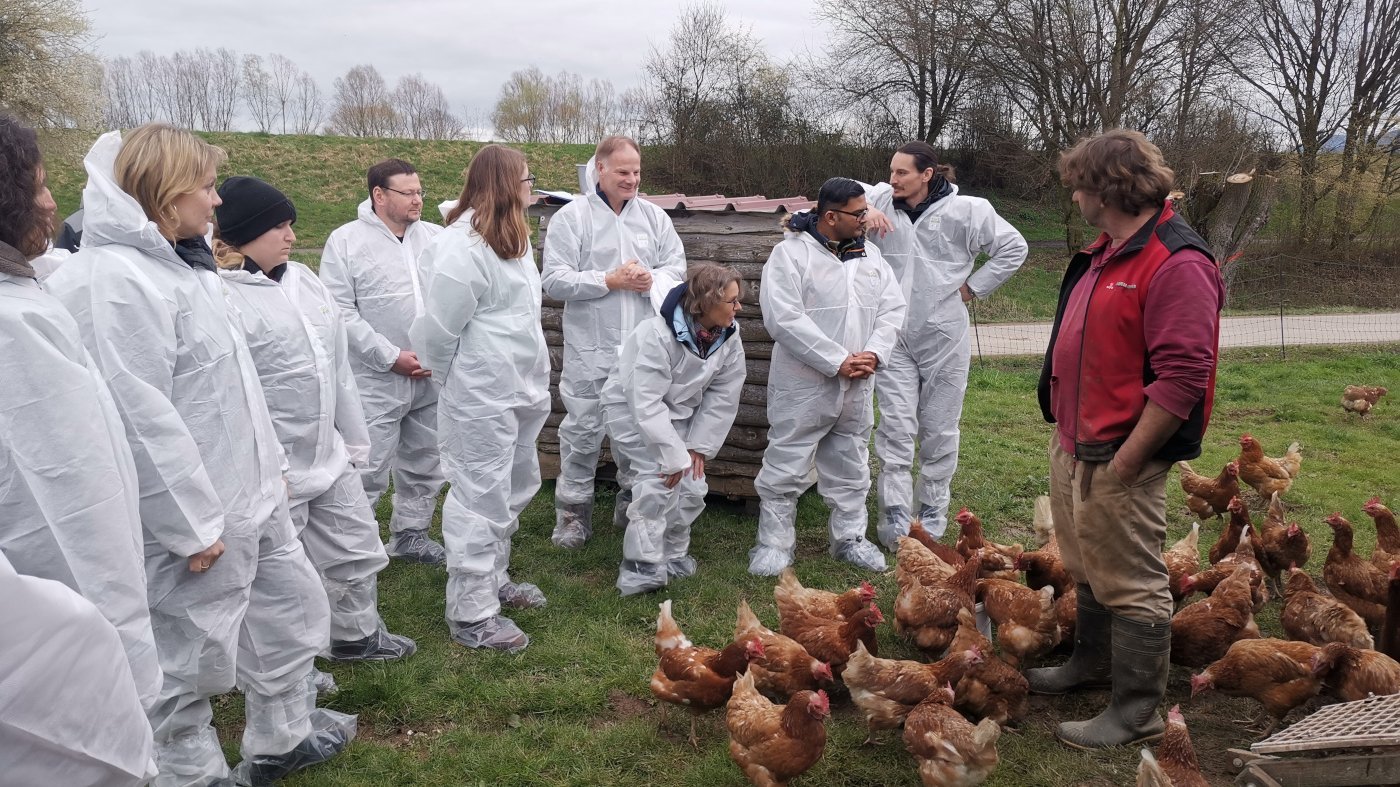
(1375, 501)
(867, 589)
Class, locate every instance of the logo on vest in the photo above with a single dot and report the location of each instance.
(1122, 285)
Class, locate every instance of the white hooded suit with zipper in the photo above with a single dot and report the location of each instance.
(585, 240)
(296, 335)
(480, 335)
(69, 714)
(68, 493)
(921, 386)
(378, 283)
(819, 310)
(209, 467)
(662, 401)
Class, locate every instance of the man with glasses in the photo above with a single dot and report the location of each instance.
(611, 258)
(371, 267)
(834, 309)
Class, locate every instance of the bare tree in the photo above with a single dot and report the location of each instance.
(363, 106)
(533, 107)
(424, 111)
(47, 76)
(1296, 65)
(284, 79)
(1374, 110)
(220, 89)
(127, 98)
(911, 58)
(521, 113)
(307, 108)
(257, 93)
(178, 85)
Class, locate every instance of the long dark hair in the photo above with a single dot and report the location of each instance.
(21, 222)
(492, 189)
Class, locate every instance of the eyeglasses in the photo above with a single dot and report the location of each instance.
(530, 180)
(732, 302)
(859, 214)
(420, 193)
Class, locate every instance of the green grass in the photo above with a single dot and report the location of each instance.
(574, 709)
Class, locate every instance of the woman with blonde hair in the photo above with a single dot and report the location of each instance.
(297, 338)
(480, 335)
(233, 597)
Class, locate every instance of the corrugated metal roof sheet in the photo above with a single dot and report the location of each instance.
(719, 203)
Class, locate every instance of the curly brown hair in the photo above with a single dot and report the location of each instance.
(1122, 167)
(22, 223)
(705, 284)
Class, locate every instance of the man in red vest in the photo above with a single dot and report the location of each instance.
(1128, 381)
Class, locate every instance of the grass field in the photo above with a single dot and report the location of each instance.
(574, 709)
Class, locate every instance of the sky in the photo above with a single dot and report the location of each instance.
(468, 47)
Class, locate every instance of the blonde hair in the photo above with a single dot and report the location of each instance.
(226, 256)
(705, 284)
(159, 163)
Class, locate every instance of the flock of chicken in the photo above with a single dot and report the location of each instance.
(953, 709)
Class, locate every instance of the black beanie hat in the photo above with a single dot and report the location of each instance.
(251, 207)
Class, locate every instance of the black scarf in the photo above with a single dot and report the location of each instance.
(938, 188)
(196, 254)
(848, 249)
(275, 274)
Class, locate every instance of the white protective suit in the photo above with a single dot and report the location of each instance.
(661, 402)
(68, 493)
(819, 310)
(209, 467)
(69, 714)
(921, 386)
(297, 339)
(480, 335)
(379, 283)
(584, 241)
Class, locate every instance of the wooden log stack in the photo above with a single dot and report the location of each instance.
(742, 241)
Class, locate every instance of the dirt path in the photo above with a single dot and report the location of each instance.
(1260, 331)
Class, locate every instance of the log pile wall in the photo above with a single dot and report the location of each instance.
(739, 240)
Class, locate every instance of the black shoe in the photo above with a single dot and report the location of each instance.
(415, 547)
(379, 646)
(331, 734)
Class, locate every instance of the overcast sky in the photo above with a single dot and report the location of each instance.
(469, 47)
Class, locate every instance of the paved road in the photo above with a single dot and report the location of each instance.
(1262, 331)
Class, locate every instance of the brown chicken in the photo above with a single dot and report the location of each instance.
(1310, 616)
(1266, 475)
(1025, 619)
(1174, 764)
(1045, 567)
(694, 677)
(1206, 496)
(926, 609)
(1387, 534)
(1390, 629)
(1230, 537)
(1276, 672)
(950, 750)
(991, 689)
(770, 743)
(1183, 559)
(886, 690)
(913, 558)
(1281, 544)
(1361, 398)
(998, 560)
(1244, 555)
(791, 596)
(1352, 580)
(786, 667)
(944, 552)
(1202, 632)
(834, 640)
(1352, 674)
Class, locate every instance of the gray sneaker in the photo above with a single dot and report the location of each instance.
(859, 552)
(521, 595)
(682, 567)
(496, 633)
(573, 524)
(623, 500)
(635, 577)
(415, 547)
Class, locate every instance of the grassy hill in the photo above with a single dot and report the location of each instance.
(325, 176)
